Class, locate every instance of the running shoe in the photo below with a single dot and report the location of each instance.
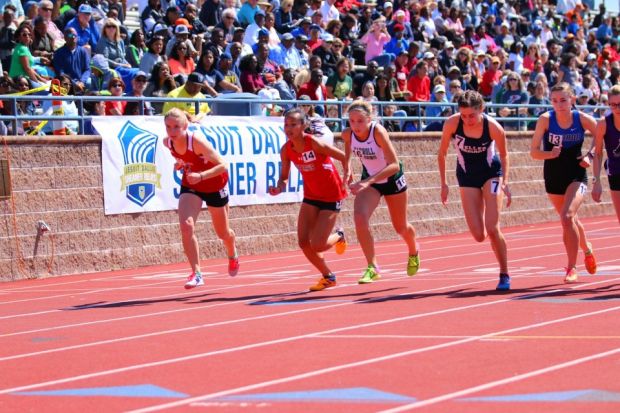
(571, 275)
(413, 264)
(323, 283)
(194, 280)
(504, 283)
(233, 266)
(370, 274)
(341, 245)
(590, 260)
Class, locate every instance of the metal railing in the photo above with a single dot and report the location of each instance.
(415, 116)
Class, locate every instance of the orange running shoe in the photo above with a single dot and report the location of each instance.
(589, 260)
(324, 282)
(341, 245)
(571, 275)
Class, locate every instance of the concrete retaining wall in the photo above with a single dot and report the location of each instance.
(59, 181)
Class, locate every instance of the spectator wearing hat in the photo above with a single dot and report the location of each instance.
(231, 83)
(303, 28)
(438, 96)
(301, 47)
(73, 60)
(263, 38)
(253, 30)
(100, 73)
(314, 40)
(191, 89)
(327, 55)
(85, 27)
(138, 84)
(182, 35)
(446, 57)
(504, 38)
(212, 13)
(375, 40)
(400, 19)
(287, 55)
(534, 36)
(398, 43)
(246, 14)
(490, 78)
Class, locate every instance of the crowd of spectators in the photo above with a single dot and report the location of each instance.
(511, 51)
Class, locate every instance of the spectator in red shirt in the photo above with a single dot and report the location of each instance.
(490, 78)
(314, 88)
(419, 85)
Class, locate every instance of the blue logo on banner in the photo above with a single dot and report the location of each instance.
(140, 177)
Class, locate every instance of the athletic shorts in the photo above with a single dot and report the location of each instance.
(322, 205)
(395, 184)
(212, 199)
(558, 184)
(614, 182)
(477, 180)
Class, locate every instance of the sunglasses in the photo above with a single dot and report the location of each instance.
(46, 9)
(614, 105)
(116, 85)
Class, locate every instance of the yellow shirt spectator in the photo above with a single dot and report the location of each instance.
(191, 89)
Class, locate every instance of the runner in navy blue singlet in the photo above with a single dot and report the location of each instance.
(608, 136)
(480, 144)
(558, 138)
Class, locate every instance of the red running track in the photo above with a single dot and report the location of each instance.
(442, 341)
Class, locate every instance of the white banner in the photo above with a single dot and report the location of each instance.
(139, 175)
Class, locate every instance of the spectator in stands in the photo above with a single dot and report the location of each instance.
(285, 85)
(181, 34)
(136, 49)
(539, 98)
(16, 7)
(211, 13)
(375, 40)
(419, 84)
(490, 78)
(301, 46)
(68, 108)
(314, 87)
(74, 61)
(250, 78)
(7, 36)
(24, 107)
(327, 55)
(246, 13)
(206, 67)
(231, 83)
(532, 56)
(111, 45)
(217, 44)
(383, 92)
(139, 83)
(42, 44)
(180, 62)
(228, 24)
(85, 27)
(515, 59)
(284, 21)
(116, 88)
(22, 61)
(372, 69)
(191, 89)
(171, 15)
(153, 55)
(339, 85)
(198, 29)
(514, 94)
(253, 30)
(161, 82)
